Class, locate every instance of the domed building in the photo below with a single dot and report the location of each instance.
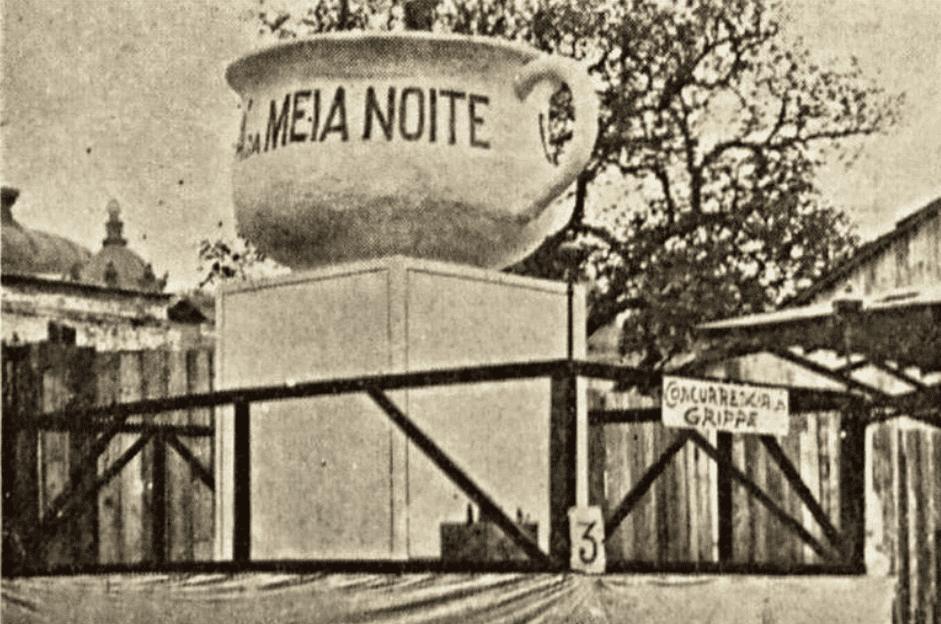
(55, 289)
(116, 266)
(32, 252)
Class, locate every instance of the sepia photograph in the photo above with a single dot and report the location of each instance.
(456, 311)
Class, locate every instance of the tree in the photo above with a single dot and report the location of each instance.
(700, 201)
(222, 260)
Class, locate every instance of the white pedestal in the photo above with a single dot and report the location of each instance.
(332, 477)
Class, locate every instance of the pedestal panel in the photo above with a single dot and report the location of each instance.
(331, 477)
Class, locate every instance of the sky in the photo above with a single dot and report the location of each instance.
(126, 99)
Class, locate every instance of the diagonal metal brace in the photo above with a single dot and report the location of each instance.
(73, 497)
(637, 492)
(831, 374)
(804, 493)
(187, 455)
(764, 499)
(487, 506)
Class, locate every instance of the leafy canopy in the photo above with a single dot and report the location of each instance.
(700, 200)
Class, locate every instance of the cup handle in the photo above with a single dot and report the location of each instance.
(558, 70)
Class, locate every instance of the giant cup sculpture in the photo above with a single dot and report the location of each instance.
(394, 173)
(359, 145)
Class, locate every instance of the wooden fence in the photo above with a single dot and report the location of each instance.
(121, 525)
(159, 509)
(677, 520)
(906, 515)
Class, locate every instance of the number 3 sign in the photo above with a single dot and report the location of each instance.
(586, 533)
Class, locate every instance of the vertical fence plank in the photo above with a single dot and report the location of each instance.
(670, 531)
(708, 501)
(810, 475)
(692, 502)
(110, 497)
(793, 548)
(882, 465)
(180, 481)
(678, 504)
(853, 485)
(830, 459)
(84, 529)
(20, 461)
(53, 448)
(903, 598)
(154, 381)
(726, 492)
(596, 464)
(200, 379)
(920, 517)
(933, 491)
(756, 462)
(659, 493)
(645, 521)
(617, 476)
(133, 477)
(742, 546)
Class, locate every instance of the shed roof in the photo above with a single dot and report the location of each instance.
(868, 252)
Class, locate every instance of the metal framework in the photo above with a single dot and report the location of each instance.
(841, 552)
(890, 335)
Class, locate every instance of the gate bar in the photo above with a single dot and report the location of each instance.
(487, 506)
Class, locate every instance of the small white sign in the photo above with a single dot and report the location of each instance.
(719, 406)
(586, 533)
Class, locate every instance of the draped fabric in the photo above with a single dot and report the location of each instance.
(444, 598)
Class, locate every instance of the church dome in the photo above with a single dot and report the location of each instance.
(32, 252)
(116, 266)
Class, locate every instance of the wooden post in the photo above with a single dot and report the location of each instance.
(21, 396)
(726, 526)
(242, 515)
(111, 496)
(853, 487)
(562, 468)
(84, 461)
(158, 500)
(933, 493)
(154, 380)
(904, 569)
(199, 379)
(180, 484)
(133, 481)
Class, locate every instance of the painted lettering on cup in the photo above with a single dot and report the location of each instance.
(410, 114)
(373, 111)
(418, 96)
(336, 118)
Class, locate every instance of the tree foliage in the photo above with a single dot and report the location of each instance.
(221, 260)
(700, 201)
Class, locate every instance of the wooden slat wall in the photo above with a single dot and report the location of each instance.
(110, 541)
(39, 465)
(200, 379)
(906, 502)
(677, 520)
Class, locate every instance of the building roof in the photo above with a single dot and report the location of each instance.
(867, 253)
(32, 252)
(37, 253)
(116, 266)
(900, 328)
